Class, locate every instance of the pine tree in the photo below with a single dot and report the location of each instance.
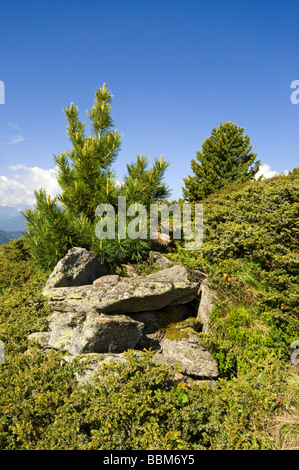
(225, 158)
(86, 180)
(84, 173)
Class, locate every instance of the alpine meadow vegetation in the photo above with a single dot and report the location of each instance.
(250, 255)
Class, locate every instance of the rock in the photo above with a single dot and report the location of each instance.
(41, 338)
(92, 363)
(196, 276)
(192, 323)
(194, 360)
(110, 280)
(79, 267)
(102, 315)
(156, 257)
(116, 295)
(206, 303)
(130, 270)
(90, 332)
(176, 273)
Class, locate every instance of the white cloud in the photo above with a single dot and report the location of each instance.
(266, 171)
(15, 139)
(13, 125)
(18, 190)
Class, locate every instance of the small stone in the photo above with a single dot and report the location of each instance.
(158, 258)
(41, 338)
(111, 279)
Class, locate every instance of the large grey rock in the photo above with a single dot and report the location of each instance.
(98, 313)
(79, 267)
(194, 360)
(90, 332)
(116, 295)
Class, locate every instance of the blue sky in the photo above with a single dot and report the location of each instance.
(176, 70)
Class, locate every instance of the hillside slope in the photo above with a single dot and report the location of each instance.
(250, 254)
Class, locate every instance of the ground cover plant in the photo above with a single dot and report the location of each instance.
(250, 254)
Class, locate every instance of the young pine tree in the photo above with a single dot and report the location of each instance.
(225, 158)
(86, 180)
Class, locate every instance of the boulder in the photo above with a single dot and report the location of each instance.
(79, 267)
(176, 273)
(41, 338)
(116, 295)
(89, 332)
(193, 360)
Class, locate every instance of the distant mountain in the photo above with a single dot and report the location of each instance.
(4, 238)
(11, 220)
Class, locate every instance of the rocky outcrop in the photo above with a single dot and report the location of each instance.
(106, 314)
(156, 258)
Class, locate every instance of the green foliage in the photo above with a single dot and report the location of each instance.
(144, 185)
(225, 158)
(86, 181)
(137, 405)
(250, 253)
(259, 221)
(84, 172)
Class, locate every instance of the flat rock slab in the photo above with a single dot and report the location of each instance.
(116, 295)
